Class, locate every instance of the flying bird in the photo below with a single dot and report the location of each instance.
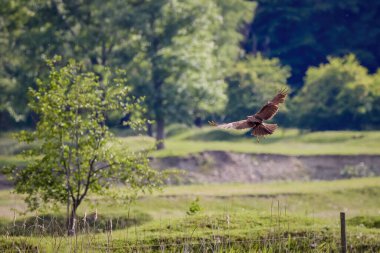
(256, 121)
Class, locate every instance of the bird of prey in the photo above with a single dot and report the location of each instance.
(256, 121)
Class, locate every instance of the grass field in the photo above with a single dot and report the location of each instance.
(245, 212)
(185, 141)
(264, 217)
(182, 141)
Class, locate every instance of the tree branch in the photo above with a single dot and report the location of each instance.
(88, 179)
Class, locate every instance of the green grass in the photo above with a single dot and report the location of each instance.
(271, 189)
(358, 195)
(306, 212)
(283, 141)
(183, 141)
(323, 199)
(299, 213)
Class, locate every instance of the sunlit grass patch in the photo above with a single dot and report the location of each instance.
(283, 141)
(272, 188)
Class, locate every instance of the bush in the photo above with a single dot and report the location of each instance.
(194, 207)
(335, 96)
(359, 170)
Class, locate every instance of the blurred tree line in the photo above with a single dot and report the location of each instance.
(196, 60)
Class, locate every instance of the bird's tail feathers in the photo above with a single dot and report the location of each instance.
(270, 127)
(264, 129)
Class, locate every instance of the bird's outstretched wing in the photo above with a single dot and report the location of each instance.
(270, 109)
(242, 124)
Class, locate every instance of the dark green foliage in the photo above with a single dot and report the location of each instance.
(303, 33)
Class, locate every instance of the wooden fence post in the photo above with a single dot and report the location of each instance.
(343, 240)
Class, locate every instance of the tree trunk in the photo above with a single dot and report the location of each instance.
(158, 79)
(68, 213)
(73, 219)
(160, 133)
(149, 129)
(198, 121)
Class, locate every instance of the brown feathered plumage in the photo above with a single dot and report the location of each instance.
(256, 121)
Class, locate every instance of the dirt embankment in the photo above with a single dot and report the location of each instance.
(220, 167)
(227, 167)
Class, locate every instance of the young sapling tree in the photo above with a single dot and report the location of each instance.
(76, 154)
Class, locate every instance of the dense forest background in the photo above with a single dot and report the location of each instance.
(304, 33)
(201, 60)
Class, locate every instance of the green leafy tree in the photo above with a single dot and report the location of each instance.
(253, 81)
(186, 49)
(76, 154)
(335, 96)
